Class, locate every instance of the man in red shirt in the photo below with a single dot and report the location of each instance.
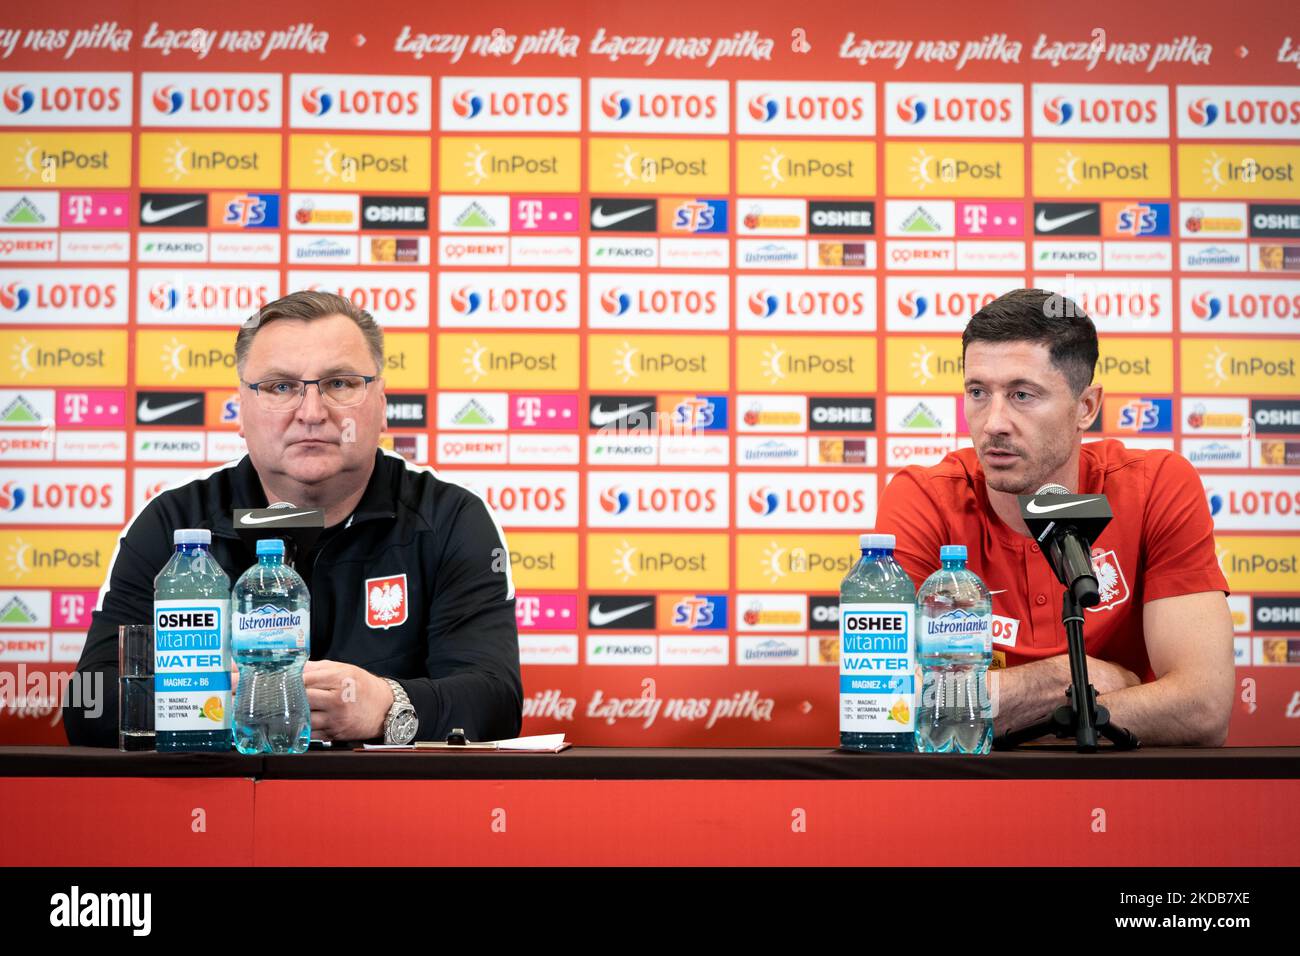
(1159, 643)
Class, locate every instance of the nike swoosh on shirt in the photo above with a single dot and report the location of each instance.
(603, 220)
(1044, 224)
(600, 618)
(149, 215)
(146, 414)
(249, 519)
(600, 418)
(1034, 508)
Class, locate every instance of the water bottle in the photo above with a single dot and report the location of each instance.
(271, 640)
(191, 620)
(954, 615)
(877, 651)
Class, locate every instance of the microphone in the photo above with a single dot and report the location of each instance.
(298, 527)
(1065, 527)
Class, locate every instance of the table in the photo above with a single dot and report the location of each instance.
(77, 806)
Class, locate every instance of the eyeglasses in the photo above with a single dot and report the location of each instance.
(285, 394)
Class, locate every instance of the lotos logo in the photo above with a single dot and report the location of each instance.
(763, 501)
(19, 99)
(1202, 112)
(466, 301)
(912, 306)
(615, 105)
(763, 108)
(615, 302)
(466, 104)
(1058, 111)
(1206, 307)
(14, 297)
(11, 496)
(763, 303)
(911, 110)
(614, 500)
(164, 297)
(316, 101)
(168, 99)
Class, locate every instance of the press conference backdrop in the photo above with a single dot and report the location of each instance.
(677, 287)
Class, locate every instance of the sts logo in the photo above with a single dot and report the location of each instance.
(317, 102)
(615, 105)
(911, 110)
(913, 306)
(1145, 415)
(763, 108)
(168, 100)
(700, 413)
(13, 297)
(1058, 111)
(466, 104)
(18, 99)
(763, 501)
(1206, 307)
(699, 612)
(466, 301)
(1202, 112)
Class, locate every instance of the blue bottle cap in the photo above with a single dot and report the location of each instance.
(876, 542)
(269, 546)
(952, 552)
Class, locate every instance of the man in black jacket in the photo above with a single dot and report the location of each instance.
(412, 600)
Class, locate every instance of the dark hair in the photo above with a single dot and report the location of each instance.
(1036, 315)
(307, 305)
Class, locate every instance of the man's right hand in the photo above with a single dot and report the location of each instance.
(1106, 676)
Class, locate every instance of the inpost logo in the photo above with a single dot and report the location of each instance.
(954, 169)
(508, 164)
(351, 163)
(793, 562)
(1101, 169)
(1135, 365)
(1231, 366)
(55, 558)
(696, 166)
(788, 167)
(1238, 172)
(812, 363)
(185, 358)
(1259, 564)
(647, 562)
(544, 560)
(200, 160)
(55, 358)
(406, 360)
(932, 364)
(658, 362)
(65, 159)
(507, 361)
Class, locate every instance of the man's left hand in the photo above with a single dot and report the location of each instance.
(347, 703)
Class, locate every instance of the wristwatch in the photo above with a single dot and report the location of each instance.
(401, 723)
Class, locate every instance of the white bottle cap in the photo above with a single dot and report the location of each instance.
(191, 536)
(876, 542)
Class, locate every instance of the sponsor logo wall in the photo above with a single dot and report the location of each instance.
(677, 307)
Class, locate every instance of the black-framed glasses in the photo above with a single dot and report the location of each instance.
(285, 394)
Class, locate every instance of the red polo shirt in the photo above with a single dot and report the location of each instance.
(1159, 544)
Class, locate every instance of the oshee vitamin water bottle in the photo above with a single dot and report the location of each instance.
(877, 651)
(191, 620)
(271, 640)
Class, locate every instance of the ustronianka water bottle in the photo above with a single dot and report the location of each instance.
(191, 619)
(271, 641)
(877, 651)
(954, 642)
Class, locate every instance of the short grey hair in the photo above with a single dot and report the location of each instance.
(308, 305)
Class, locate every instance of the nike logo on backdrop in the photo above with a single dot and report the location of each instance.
(149, 215)
(601, 418)
(603, 220)
(1044, 224)
(600, 618)
(1034, 508)
(249, 519)
(146, 414)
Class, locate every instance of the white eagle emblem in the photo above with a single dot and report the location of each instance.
(386, 601)
(1112, 588)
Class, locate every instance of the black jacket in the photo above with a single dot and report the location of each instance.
(457, 653)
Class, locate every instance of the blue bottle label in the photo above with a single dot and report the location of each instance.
(959, 631)
(270, 627)
(877, 669)
(191, 665)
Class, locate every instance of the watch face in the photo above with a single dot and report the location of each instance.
(404, 727)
